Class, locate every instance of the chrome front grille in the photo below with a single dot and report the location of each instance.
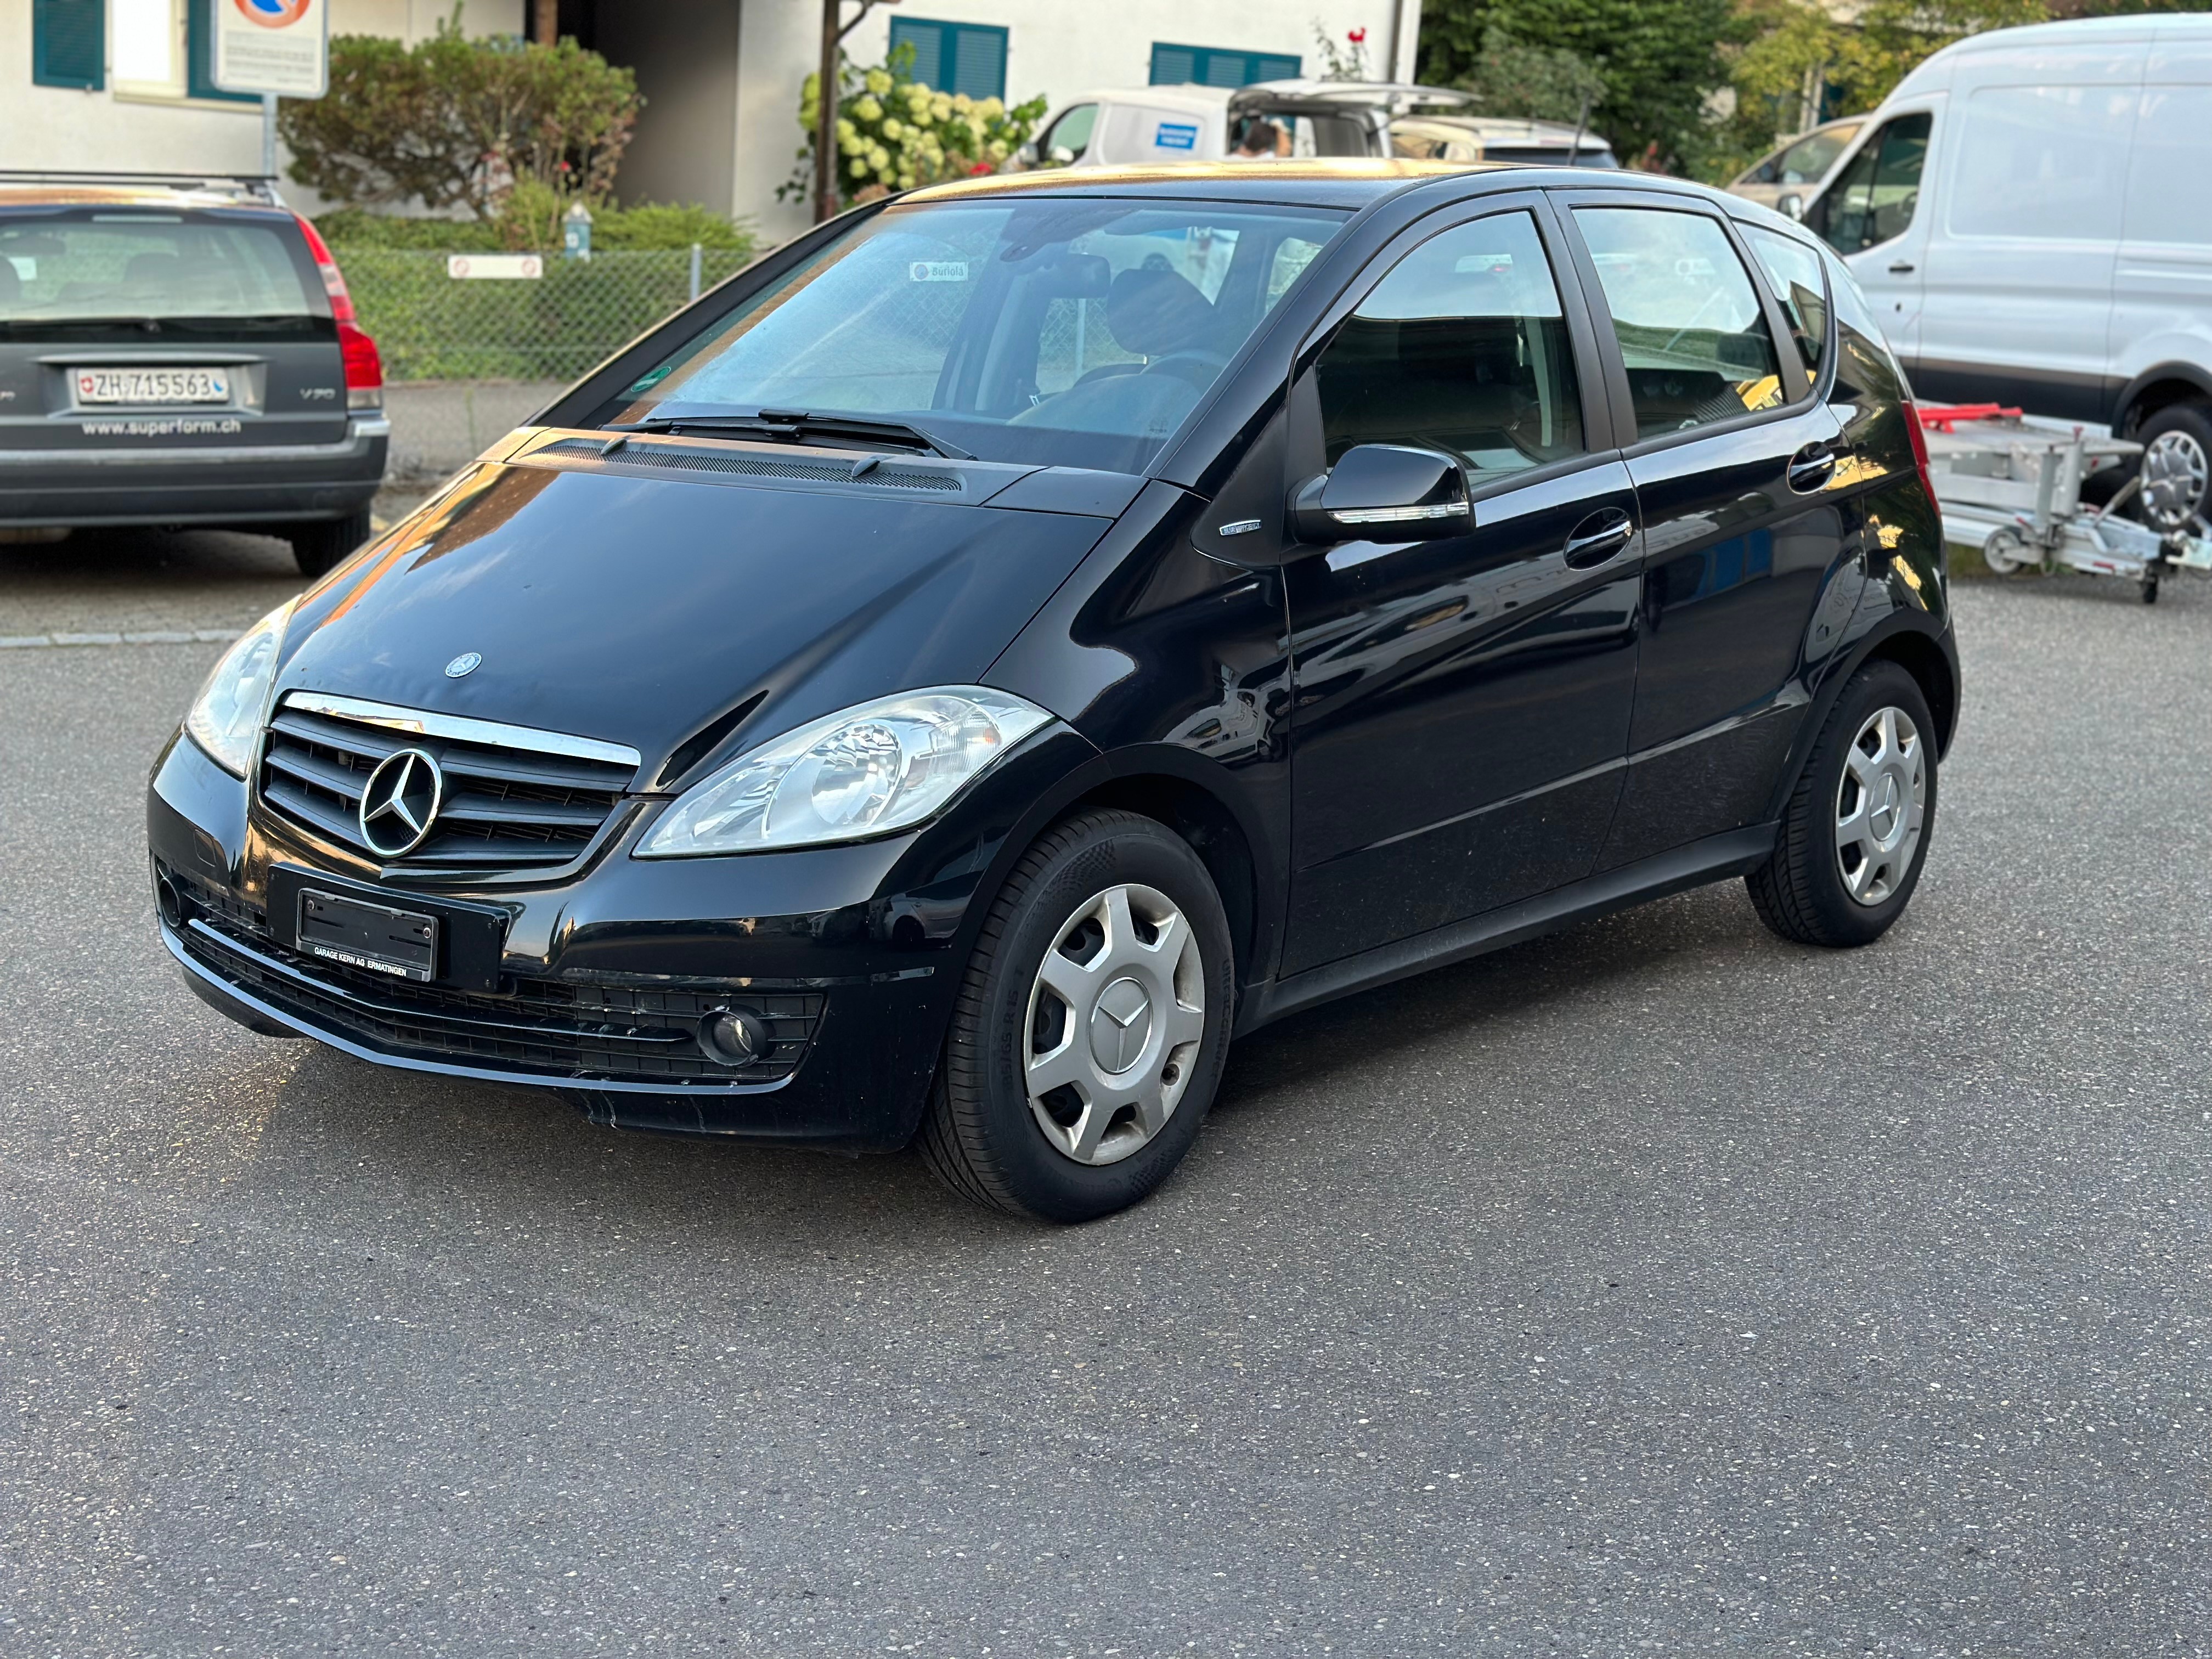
(513, 798)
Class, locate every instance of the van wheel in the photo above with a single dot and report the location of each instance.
(318, 546)
(1090, 1027)
(2177, 466)
(1855, 833)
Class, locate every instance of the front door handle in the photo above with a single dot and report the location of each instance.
(1900, 268)
(1811, 468)
(1598, 537)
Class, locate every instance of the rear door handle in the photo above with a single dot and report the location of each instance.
(1811, 468)
(1598, 537)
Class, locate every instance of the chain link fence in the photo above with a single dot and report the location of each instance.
(466, 358)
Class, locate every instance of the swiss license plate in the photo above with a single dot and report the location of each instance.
(401, 943)
(151, 385)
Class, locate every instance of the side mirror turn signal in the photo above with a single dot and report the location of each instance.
(1385, 493)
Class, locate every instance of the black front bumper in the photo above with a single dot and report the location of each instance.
(240, 483)
(851, 957)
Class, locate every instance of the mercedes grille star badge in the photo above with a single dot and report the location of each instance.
(401, 802)
(465, 663)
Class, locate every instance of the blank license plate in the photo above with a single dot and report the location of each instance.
(401, 943)
(152, 385)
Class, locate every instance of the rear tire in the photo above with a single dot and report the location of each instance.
(1090, 1026)
(1854, 836)
(318, 547)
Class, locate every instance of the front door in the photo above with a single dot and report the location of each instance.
(1737, 468)
(1870, 213)
(1462, 706)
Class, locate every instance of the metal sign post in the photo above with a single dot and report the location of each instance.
(273, 47)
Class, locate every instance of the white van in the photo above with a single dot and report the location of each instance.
(1153, 124)
(2031, 213)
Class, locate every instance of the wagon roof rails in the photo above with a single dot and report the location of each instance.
(258, 186)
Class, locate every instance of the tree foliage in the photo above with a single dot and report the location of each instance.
(1796, 58)
(452, 122)
(1658, 61)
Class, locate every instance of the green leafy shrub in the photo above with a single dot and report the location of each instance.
(452, 122)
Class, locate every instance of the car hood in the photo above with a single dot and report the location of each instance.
(638, 610)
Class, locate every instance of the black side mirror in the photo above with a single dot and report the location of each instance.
(1386, 493)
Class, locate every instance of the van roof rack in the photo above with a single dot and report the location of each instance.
(260, 186)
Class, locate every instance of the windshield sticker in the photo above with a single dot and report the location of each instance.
(937, 270)
(27, 265)
(1470, 265)
(1174, 135)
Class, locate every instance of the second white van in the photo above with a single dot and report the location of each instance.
(2030, 212)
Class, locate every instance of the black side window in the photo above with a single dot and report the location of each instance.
(1462, 347)
(1793, 272)
(1874, 199)
(1693, 335)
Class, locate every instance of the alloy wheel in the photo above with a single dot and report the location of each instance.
(2175, 469)
(1116, 1013)
(1881, 803)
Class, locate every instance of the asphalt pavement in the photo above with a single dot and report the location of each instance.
(1654, 1288)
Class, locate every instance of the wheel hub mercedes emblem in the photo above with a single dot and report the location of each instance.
(401, 802)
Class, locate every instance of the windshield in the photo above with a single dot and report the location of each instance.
(125, 266)
(1077, 332)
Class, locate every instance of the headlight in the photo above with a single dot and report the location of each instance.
(227, 715)
(884, 766)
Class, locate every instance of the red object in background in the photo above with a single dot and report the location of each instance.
(1358, 37)
(364, 365)
(1940, 416)
(1916, 423)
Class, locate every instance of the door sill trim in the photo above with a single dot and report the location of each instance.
(1715, 858)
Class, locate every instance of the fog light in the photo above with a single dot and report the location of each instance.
(168, 901)
(736, 1036)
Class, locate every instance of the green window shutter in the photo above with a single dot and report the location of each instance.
(199, 57)
(1216, 66)
(68, 43)
(969, 57)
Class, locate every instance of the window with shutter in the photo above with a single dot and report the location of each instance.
(969, 57)
(1218, 66)
(68, 43)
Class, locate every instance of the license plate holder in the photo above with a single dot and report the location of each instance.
(375, 937)
(151, 388)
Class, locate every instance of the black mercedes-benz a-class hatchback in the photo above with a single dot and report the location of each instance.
(953, 679)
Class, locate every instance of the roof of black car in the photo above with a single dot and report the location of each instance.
(1345, 184)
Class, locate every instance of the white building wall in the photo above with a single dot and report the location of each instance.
(57, 127)
(1055, 48)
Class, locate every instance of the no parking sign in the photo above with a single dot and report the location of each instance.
(280, 47)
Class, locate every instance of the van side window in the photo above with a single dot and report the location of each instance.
(1069, 137)
(1691, 329)
(2168, 197)
(1874, 199)
(1793, 272)
(1461, 347)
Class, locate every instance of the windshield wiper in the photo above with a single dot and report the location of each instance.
(792, 425)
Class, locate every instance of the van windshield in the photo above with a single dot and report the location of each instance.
(60, 270)
(1066, 331)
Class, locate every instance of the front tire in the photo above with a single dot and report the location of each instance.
(1092, 1024)
(1854, 836)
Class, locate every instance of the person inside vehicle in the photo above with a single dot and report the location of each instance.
(1261, 141)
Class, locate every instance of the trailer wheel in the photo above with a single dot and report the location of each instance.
(2005, 552)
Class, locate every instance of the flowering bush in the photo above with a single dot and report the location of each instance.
(894, 133)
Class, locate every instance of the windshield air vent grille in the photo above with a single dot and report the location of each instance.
(672, 459)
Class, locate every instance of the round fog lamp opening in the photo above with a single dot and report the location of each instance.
(735, 1036)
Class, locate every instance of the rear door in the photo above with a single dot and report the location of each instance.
(1736, 466)
(145, 327)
